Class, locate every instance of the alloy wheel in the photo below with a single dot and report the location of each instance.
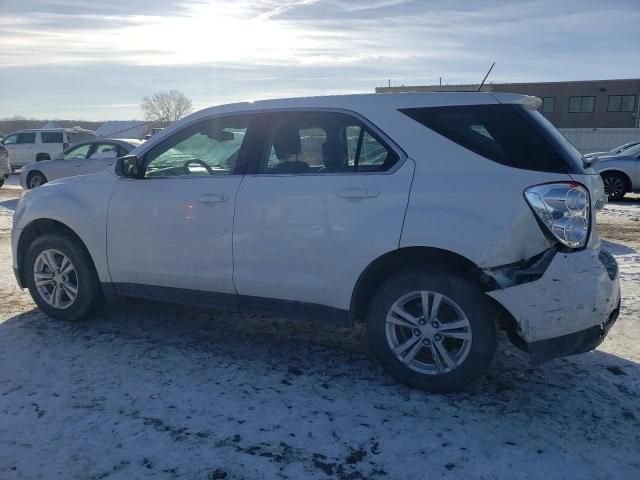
(36, 181)
(613, 186)
(55, 278)
(428, 332)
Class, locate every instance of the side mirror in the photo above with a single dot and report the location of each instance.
(127, 167)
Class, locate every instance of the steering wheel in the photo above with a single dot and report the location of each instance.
(197, 161)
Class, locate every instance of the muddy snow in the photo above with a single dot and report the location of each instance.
(146, 390)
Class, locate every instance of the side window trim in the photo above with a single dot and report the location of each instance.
(366, 124)
(356, 160)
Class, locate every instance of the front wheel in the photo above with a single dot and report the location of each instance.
(35, 179)
(433, 331)
(61, 278)
(615, 185)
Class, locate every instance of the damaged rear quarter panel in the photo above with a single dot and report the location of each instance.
(472, 206)
(574, 293)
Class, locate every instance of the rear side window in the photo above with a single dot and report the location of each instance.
(323, 142)
(502, 133)
(51, 137)
(29, 137)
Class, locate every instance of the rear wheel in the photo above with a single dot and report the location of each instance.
(61, 278)
(36, 179)
(615, 185)
(434, 331)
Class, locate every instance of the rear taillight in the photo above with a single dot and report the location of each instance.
(564, 209)
(65, 146)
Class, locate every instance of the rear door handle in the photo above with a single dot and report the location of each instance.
(358, 193)
(210, 198)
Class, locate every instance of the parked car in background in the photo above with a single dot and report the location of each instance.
(81, 159)
(435, 218)
(35, 145)
(620, 173)
(5, 165)
(613, 151)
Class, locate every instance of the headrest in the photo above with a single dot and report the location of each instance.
(286, 141)
(334, 156)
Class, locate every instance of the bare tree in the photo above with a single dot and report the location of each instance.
(166, 107)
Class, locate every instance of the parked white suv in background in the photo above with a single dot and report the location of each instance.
(435, 218)
(34, 145)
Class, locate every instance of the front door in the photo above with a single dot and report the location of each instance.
(327, 198)
(173, 228)
(21, 147)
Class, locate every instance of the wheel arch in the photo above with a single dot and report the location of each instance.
(42, 156)
(32, 173)
(622, 173)
(40, 227)
(411, 258)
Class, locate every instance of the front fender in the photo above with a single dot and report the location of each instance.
(80, 203)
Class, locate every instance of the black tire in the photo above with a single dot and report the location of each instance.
(469, 299)
(89, 293)
(615, 185)
(35, 179)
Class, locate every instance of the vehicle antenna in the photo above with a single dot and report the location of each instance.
(485, 77)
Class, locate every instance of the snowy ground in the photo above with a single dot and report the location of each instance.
(155, 391)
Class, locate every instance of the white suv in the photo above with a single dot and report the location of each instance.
(437, 219)
(35, 145)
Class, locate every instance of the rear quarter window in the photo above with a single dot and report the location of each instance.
(51, 137)
(502, 133)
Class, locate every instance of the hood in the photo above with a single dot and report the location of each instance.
(594, 154)
(604, 158)
(32, 165)
(106, 173)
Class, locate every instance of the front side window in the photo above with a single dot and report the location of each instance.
(29, 137)
(106, 150)
(581, 104)
(621, 103)
(80, 152)
(51, 137)
(548, 104)
(323, 142)
(209, 147)
(10, 140)
(506, 134)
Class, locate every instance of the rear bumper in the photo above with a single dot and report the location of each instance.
(573, 343)
(570, 308)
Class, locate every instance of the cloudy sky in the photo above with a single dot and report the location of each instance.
(95, 60)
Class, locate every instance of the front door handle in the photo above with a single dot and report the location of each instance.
(210, 198)
(358, 193)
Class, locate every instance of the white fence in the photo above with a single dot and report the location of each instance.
(588, 140)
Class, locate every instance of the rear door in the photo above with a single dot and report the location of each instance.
(327, 197)
(51, 143)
